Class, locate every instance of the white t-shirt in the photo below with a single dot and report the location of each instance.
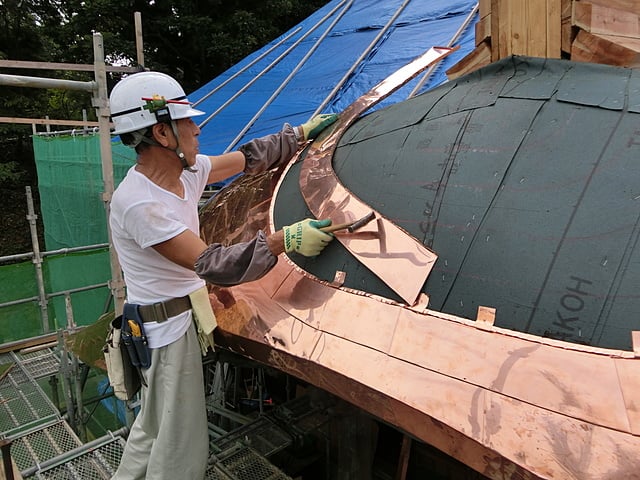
(142, 215)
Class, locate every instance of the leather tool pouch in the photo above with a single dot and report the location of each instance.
(124, 377)
(134, 337)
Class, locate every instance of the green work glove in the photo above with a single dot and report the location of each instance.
(305, 237)
(313, 127)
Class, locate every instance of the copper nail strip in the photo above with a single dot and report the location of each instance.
(392, 254)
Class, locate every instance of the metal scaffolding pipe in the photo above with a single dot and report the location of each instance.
(289, 77)
(39, 82)
(55, 294)
(271, 65)
(364, 54)
(61, 251)
(64, 251)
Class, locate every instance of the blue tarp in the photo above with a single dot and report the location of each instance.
(316, 55)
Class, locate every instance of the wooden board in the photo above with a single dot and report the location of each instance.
(554, 28)
(16, 470)
(606, 49)
(567, 35)
(631, 6)
(536, 25)
(484, 8)
(483, 29)
(522, 27)
(479, 57)
(604, 20)
(500, 30)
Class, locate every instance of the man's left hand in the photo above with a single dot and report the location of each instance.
(313, 127)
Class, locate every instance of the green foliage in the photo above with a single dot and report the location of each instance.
(192, 40)
(11, 172)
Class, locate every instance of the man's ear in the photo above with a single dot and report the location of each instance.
(160, 132)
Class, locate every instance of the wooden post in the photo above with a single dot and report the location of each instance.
(101, 103)
(353, 436)
(403, 463)
(37, 262)
(5, 447)
(137, 17)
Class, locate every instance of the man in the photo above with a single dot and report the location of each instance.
(155, 231)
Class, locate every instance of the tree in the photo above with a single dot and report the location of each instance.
(191, 40)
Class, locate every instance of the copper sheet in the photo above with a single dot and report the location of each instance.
(508, 404)
(525, 402)
(392, 254)
(504, 403)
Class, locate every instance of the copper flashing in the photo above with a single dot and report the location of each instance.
(391, 253)
(506, 403)
(502, 397)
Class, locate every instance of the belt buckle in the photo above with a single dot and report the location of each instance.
(160, 312)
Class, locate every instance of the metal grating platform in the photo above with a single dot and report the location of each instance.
(243, 463)
(97, 463)
(41, 363)
(262, 435)
(43, 444)
(23, 404)
(38, 446)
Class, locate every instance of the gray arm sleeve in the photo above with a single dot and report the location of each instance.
(235, 264)
(263, 153)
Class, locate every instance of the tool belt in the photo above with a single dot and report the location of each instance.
(124, 377)
(134, 337)
(161, 311)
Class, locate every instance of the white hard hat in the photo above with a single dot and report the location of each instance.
(143, 99)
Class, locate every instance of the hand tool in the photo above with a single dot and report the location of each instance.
(135, 329)
(350, 226)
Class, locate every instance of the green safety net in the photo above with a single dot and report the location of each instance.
(70, 187)
(61, 273)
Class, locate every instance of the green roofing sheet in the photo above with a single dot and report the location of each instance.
(524, 178)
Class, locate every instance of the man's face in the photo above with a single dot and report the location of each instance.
(188, 132)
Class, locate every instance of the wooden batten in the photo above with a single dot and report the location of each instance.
(631, 6)
(524, 27)
(597, 31)
(515, 27)
(567, 33)
(483, 29)
(606, 49)
(554, 28)
(597, 19)
(484, 8)
(479, 57)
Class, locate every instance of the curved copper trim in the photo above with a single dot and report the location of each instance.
(392, 254)
(515, 396)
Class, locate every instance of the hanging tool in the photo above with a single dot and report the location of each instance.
(350, 226)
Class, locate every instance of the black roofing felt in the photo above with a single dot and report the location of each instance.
(524, 178)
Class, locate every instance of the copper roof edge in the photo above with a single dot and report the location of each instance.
(506, 403)
(497, 397)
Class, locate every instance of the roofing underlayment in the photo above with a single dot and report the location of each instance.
(346, 46)
(522, 178)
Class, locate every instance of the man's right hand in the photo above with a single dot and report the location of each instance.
(305, 237)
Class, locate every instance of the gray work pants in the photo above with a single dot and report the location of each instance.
(169, 437)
